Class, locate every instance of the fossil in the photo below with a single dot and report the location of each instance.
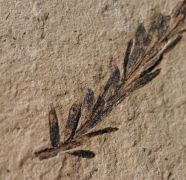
(143, 53)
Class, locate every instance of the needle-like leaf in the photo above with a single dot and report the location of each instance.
(73, 119)
(54, 128)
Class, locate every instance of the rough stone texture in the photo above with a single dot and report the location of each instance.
(50, 52)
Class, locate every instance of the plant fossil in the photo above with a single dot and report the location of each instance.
(143, 54)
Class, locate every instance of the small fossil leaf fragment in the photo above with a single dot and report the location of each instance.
(53, 128)
(86, 108)
(112, 85)
(83, 154)
(101, 131)
(72, 122)
(145, 79)
(112, 81)
(126, 59)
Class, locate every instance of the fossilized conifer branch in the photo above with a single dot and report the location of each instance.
(142, 55)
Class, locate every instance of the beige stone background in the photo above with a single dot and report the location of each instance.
(50, 52)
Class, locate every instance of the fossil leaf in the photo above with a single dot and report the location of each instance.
(112, 82)
(165, 47)
(97, 113)
(83, 154)
(126, 58)
(86, 108)
(101, 131)
(54, 128)
(135, 50)
(72, 122)
(95, 117)
(146, 78)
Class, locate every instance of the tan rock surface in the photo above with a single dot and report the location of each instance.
(50, 52)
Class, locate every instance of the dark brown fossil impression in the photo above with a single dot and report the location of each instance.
(143, 54)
